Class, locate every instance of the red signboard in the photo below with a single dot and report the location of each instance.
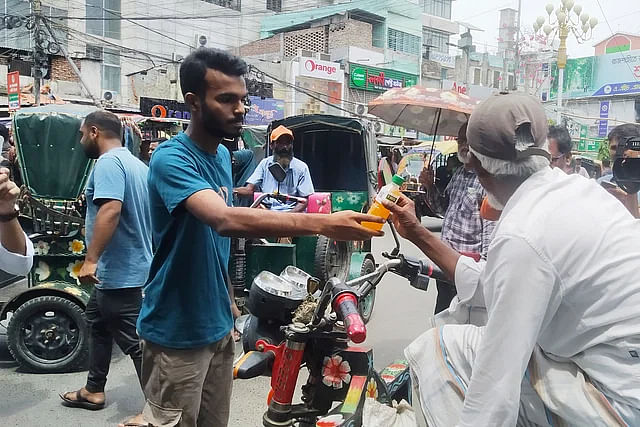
(13, 90)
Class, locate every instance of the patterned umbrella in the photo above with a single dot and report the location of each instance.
(428, 110)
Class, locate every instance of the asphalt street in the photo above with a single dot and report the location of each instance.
(28, 399)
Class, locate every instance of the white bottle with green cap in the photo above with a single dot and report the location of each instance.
(390, 192)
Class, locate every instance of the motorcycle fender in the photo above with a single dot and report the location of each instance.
(66, 290)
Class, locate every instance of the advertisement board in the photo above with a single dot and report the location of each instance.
(604, 75)
(378, 79)
(311, 67)
(13, 90)
(169, 108)
(264, 111)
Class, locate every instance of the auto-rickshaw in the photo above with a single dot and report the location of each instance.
(341, 155)
(47, 331)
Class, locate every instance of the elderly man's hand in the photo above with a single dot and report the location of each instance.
(426, 178)
(404, 217)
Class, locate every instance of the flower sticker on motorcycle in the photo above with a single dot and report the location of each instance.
(76, 246)
(74, 269)
(372, 389)
(42, 271)
(335, 372)
(41, 248)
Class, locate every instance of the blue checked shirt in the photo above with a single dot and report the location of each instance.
(462, 228)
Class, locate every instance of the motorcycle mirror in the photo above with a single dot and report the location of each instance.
(313, 284)
(240, 322)
(278, 172)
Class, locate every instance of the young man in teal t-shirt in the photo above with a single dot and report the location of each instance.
(185, 322)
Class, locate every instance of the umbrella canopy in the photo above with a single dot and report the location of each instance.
(428, 110)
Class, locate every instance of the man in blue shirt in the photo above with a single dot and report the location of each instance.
(185, 322)
(297, 181)
(118, 235)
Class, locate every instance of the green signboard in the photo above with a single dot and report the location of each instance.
(582, 143)
(378, 79)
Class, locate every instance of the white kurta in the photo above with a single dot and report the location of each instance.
(562, 275)
(15, 263)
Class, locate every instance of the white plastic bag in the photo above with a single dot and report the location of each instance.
(375, 414)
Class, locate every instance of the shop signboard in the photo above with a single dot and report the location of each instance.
(164, 108)
(442, 58)
(13, 90)
(311, 67)
(264, 111)
(604, 114)
(378, 79)
(582, 142)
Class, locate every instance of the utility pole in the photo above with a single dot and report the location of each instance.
(37, 50)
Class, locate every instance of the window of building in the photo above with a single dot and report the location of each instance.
(444, 73)
(275, 5)
(476, 76)
(435, 40)
(232, 4)
(441, 8)
(512, 82)
(400, 41)
(104, 11)
(110, 59)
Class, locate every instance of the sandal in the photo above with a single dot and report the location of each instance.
(80, 402)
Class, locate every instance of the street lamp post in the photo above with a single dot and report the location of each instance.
(577, 23)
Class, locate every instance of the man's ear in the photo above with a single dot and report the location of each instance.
(93, 130)
(193, 101)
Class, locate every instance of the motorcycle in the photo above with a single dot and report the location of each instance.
(296, 322)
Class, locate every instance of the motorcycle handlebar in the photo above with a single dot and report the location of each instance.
(345, 304)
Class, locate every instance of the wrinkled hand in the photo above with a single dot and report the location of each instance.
(345, 225)
(403, 215)
(9, 193)
(426, 178)
(87, 273)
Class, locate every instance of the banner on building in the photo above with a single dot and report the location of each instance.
(164, 108)
(378, 79)
(442, 58)
(13, 90)
(264, 111)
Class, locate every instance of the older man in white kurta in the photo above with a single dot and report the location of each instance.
(562, 342)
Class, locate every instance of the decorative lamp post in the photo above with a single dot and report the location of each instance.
(569, 18)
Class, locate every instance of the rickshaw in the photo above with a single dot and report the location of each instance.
(47, 331)
(341, 155)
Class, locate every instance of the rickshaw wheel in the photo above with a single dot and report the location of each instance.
(365, 305)
(332, 259)
(48, 334)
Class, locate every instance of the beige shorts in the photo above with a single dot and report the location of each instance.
(188, 387)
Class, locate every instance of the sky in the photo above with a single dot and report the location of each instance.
(623, 15)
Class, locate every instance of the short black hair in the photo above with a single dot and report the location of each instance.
(622, 132)
(194, 67)
(106, 121)
(562, 137)
(4, 132)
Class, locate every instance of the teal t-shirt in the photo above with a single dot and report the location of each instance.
(186, 302)
(118, 175)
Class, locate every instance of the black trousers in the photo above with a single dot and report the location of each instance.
(446, 292)
(112, 315)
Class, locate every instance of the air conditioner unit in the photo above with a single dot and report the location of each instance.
(107, 95)
(377, 127)
(305, 53)
(201, 40)
(176, 57)
(324, 57)
(361, 109)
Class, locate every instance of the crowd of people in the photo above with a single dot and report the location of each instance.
(538, 324)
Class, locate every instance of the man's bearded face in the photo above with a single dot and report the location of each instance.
(283, 150)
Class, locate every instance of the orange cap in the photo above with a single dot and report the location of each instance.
(280, 131)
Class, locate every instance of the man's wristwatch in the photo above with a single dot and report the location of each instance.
(10, 216)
